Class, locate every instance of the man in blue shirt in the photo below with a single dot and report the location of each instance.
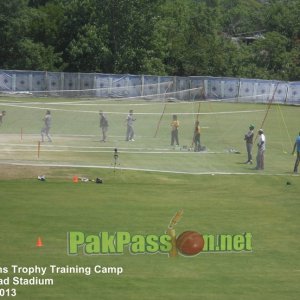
(297, 145)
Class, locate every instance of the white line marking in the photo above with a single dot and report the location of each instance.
(137, 113)
(111, 151)
(111, 148)
(141, 169)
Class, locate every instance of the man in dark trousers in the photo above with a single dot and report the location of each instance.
(297, 146)
(174, 131)
(261, 148)
(249, 143)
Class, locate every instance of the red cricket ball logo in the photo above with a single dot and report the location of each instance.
(188, 243)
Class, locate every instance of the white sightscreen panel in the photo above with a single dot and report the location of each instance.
(5, 81)
(281, 92)
(70, 81)
(119, 87)
(183, 88)
(150, 85)
(22, 81)
(134, 86)
(263, 91)
(102, 86)
(86, 81)
(38, 82)
(294, 93)
(54, 81)
(197, 86)
(247, 90)
(214, 88)
(231, 88)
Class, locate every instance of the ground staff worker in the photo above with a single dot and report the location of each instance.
(249, 143)
(297, 146)
(174, 131)
(261, 145)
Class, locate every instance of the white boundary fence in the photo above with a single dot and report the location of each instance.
(162, 87)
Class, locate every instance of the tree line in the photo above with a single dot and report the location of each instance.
(234, 38)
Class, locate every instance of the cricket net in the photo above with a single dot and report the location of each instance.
(76, 133)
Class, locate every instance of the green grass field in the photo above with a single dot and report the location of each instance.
(218, 193)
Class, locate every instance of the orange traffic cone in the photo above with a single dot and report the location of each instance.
(39, 242)
(75, 179)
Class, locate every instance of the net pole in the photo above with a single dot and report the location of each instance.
(268, 109)
(38, 149)
(280, 129)
(197, 119)
(160, 119)
(163, 112)
(239, 89)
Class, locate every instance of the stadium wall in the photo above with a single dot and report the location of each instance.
(40, 83)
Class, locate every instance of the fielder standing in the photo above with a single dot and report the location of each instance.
(130, 131)
(103, 126)
(47, 126)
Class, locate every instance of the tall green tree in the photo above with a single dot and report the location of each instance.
(89, 51)
(162, 37)
(282, 16)
(241, 16)
(131, 25)
(10, 13)
(25, 38)
(271, 56)
(81, 38)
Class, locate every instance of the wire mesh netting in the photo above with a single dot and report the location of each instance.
(77, 136)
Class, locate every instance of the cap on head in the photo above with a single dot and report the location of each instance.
(251, 127)
(48, 112)
(260, 131)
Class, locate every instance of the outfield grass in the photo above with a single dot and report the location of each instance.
(143, 203)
